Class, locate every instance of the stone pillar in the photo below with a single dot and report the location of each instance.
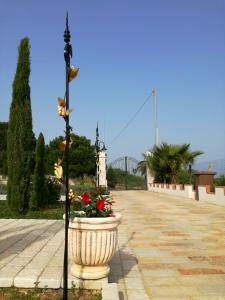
(149, 177)
(102, 168)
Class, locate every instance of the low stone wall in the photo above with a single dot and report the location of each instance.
(218, 197)
(179, 190)
(187, 191)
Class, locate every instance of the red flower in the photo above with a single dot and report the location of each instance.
(85, 198)
(100, 204)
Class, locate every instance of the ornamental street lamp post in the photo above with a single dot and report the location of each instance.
(67, 56)
(98, 150)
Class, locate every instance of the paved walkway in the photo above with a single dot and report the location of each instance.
(169, 249)
(179, 245)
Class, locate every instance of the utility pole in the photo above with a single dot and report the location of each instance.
(126, 173)
(155, 117)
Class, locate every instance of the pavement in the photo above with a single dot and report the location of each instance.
(179, 246)
(168, 249)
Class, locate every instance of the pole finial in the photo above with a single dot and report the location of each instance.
(68, 48)
(67, 31)
(67, 18)
(97, 134)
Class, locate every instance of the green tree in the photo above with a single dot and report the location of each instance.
(219, 181)
(20, 137)
(81, 156)
(142, 165)
(3, 147)
(38, 197)
(111, 177)
(167, 160)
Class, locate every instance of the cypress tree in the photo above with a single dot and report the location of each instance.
(3, 148)
(38, 197)
(20, 137)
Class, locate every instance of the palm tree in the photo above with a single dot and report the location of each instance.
(168, 159)
(142, 165)
(189, 157)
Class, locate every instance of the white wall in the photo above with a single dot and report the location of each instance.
(175, 190)
(217, 198)
(187, 192)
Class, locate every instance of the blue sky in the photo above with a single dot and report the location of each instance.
(124, 49)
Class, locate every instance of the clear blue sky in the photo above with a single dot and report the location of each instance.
(124, 49)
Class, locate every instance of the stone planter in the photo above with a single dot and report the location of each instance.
(92, 243)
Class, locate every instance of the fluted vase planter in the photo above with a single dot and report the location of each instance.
(92, 244)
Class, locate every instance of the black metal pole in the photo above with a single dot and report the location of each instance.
(190, 173)
(67, 55)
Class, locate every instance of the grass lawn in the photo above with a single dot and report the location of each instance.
(47, 294)
(53, 212)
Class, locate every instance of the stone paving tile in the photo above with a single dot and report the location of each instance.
(169, 248)
(218, 297)
(51, 277)
(179, 244)
(174, 291)
(171, 298)
(137, 294)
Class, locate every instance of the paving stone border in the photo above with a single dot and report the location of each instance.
(110, 292)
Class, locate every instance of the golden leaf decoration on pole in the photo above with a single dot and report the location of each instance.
(62, 145)
(58, 170)
(73, 73)
(71, 195)
(61, 108)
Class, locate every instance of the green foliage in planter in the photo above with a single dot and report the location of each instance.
(38, 197)
(20, 137)
(53, 190)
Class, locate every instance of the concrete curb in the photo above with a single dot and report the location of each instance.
(110, 291)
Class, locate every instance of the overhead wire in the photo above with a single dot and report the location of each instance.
(130, 121)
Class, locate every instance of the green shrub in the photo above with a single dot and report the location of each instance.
(53, 190)
(218, 181)
(112, 177)
(38, 195)
(183, 177)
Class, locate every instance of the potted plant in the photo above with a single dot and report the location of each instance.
(92, 235)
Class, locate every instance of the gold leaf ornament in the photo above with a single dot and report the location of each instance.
(73, 73)
(71, 195)
(62, 145)
(58, 170)
(61, 108)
